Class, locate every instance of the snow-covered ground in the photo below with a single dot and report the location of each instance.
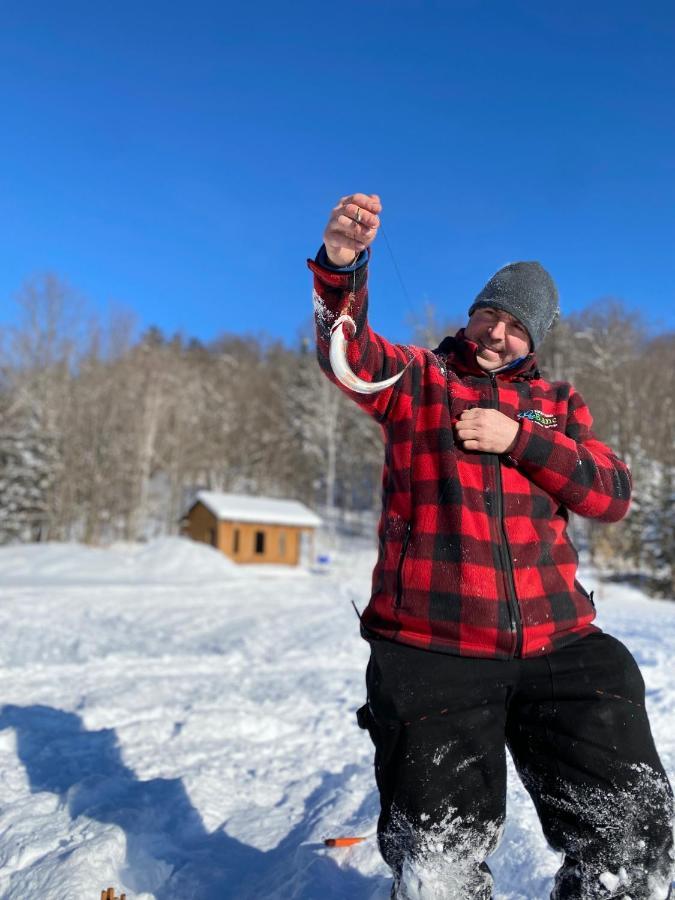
(181, 727)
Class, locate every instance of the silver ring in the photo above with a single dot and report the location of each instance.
(357, 217)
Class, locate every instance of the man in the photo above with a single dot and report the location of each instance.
(481, 635)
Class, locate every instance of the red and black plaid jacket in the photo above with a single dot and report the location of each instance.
(474, 557)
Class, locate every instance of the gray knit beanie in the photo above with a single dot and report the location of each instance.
(527, 291)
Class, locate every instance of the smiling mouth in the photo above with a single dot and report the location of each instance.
(491, 349)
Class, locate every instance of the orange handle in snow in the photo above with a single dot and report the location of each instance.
(343, 841)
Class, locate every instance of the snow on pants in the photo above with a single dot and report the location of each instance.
(576, 726)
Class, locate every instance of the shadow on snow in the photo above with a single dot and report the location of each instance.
(168, 848)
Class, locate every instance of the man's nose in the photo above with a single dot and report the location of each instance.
(498, 331)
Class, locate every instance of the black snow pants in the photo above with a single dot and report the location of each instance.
(575, 724)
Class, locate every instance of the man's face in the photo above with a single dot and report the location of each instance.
(500, 337)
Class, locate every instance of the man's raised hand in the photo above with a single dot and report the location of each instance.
(352, 227)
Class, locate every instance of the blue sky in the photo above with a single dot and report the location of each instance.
(181, 159)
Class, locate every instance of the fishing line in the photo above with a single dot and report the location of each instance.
(406, 293)
(397, 270)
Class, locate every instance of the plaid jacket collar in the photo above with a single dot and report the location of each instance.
(461, 353)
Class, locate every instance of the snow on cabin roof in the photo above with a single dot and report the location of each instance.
(240, 508)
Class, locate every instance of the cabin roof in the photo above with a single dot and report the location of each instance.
(263, 510)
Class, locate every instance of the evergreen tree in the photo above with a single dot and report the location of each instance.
(28, 470)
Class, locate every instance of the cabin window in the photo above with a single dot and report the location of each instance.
(282, 544)
(235, 541)
(260, 542)
(213, 537)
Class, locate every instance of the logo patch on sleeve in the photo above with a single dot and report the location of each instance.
(536, 416)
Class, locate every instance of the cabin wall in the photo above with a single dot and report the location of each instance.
(203, 526)
(280, 543)
(241, 541)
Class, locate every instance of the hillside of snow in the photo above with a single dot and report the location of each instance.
(183, 728)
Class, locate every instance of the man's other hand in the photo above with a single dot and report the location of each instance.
(486, 430)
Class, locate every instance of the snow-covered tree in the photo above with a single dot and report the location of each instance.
(29, 464)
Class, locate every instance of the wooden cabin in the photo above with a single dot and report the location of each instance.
(253, 529)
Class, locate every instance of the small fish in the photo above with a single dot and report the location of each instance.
(340, 366)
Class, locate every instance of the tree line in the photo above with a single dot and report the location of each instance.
(105, 435)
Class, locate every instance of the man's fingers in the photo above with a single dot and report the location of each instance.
(353, 229)
(469, 438)
(346, 220)
(359, 214)
(366, 201)
(338, 237)
(369, 202)
(349, 228)
(469, 423)
(473, 436)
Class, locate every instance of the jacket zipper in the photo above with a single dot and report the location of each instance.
(399, 570)
(504, 549)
